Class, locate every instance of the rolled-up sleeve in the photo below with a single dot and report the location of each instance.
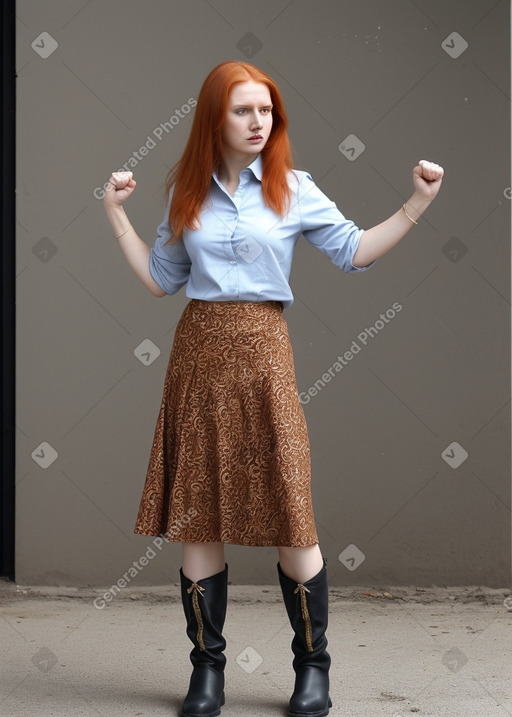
(169, 264)
(324, 226)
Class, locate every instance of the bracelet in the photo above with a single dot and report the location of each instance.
(405, 212)
(126, 230)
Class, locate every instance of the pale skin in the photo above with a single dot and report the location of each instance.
(248, 115)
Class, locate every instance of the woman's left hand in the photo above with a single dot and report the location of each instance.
(427, 178)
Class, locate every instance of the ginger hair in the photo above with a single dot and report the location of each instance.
(191, 175)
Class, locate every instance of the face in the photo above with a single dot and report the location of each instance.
(248, 120)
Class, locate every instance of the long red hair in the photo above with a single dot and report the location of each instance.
(191, 175)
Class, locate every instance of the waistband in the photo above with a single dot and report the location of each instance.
(230, 305)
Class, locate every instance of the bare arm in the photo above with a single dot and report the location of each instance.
(378, 240)
(120, 187)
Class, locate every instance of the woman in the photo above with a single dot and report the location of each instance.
(230, 461)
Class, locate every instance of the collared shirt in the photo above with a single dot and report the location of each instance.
(243, 250)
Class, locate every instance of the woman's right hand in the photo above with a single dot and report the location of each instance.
(120, 186)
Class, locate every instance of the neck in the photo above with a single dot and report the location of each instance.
(231, 165)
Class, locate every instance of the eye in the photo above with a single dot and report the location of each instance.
(240, 111)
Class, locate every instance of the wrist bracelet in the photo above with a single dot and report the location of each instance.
(126, 230)
(405, 212)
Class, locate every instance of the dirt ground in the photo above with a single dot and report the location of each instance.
(435, 652)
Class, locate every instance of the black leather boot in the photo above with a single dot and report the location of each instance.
(205, 604)
(307, 607)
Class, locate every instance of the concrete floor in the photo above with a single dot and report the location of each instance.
(431, 652)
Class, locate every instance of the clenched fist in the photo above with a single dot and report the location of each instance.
(118, 189)
(427, 178)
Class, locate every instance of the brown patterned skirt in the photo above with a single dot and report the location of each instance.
(230, 460)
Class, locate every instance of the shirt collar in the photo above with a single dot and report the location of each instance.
(256, 168)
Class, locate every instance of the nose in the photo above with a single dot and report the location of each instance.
(256, 122)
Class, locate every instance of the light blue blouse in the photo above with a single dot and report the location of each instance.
(243, 250)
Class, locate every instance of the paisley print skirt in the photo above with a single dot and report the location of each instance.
(230, 460)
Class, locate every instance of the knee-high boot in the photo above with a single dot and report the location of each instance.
(307, 607)
(204, 604)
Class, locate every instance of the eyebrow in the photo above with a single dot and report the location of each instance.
(248, 104)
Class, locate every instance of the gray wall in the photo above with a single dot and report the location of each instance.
(389, 486)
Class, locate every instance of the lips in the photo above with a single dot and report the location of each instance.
(256, 136)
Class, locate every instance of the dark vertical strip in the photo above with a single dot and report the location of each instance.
(8, 287)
